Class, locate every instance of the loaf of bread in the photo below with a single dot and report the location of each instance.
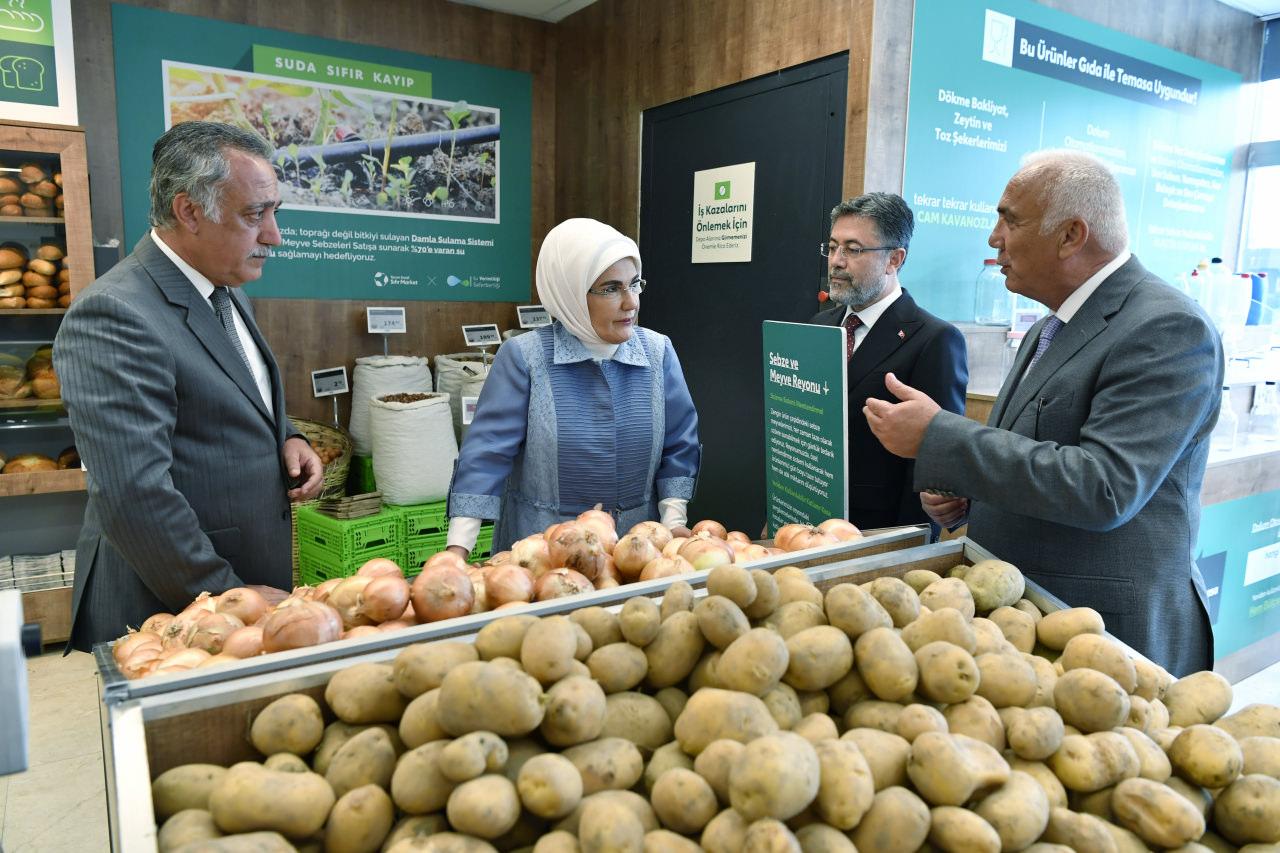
(64, 287)
(42, 266)
(35, 279)
(42, 291)
(45, 189)
(64, 301)
(46, 385)
(49, 251)
(13, 276)
(11, 379)
(12, 302)
(10, 186)
(27, 462)
(8, 291)
(33, 200)
(32, 173)
(69, 458)
(14, 209)
(12, 257)
(41, 303)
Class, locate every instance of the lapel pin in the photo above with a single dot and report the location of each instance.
(902, 336)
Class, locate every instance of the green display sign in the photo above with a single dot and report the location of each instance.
(806, 423)
(28, 74)
(403, 176)
(993, 80)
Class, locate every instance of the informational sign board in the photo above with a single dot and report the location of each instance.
(806, 423)
(385, 321)
(329, 382)
(37, 63)
(481, 335)
(402, 176)
(722, 214)
(532, 316)
(993, 80)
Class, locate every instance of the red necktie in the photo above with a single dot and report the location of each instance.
(850, 323)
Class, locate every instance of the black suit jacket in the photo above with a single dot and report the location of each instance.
(924, 352)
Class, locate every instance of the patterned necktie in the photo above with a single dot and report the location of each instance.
(221, 300)
(1047, 331)
(850, 323)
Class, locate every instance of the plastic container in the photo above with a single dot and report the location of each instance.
(1264, 417)
(1223, 437)
(991, 303)
(1012, 340)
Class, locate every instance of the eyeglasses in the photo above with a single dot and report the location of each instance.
(851, 252)
(616, 289)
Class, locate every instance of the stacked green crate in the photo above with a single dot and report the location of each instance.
(424, 531)
(360, 478)
(335, 548)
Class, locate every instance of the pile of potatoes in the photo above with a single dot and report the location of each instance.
(768, 715)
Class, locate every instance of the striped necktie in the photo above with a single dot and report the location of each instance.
(221, 299)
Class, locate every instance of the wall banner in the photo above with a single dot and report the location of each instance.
(722, 214)
(37, 64)
(402, 176)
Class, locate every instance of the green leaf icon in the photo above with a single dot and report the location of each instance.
(722, 190)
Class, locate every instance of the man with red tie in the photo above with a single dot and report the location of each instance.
(886, 333)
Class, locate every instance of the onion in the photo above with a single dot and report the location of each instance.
(532, 553)
(379, 567)
(442, 591)
(297, 622)
(177, 634)
(665, 567)
(738, 536)
(551, 531)
(408, 615)
(785, 532)
(608, 577)
(395, 625)
(185, 659)
(345, 598)
(244, 642)
(384, 597)
(841, 529)
(632, 552)
(577, 546)
(307, 593)
(706, 552)
(360, 631)
(809, 537)
(501, 557)
(156, 623)
(510, 605)
(752, 553)
(504, 584)
(559, 583)
(141, 661)
(217, 660)
(245, 604)
(125, 646)
(602, 524)
(204, 603)
(715, 528)
(654, 530)
(321, 593)
(674, 545)
(212, 630)
(480, 600)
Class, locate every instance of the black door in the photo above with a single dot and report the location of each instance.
(791, 125)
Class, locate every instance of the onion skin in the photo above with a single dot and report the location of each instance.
(156, 623)
(126, 645)
(715, 528)
(576, 546)
(499, 558)
(632, 552)
(841, 529)
(508, 583)
(532, 553)
(808, 537)
(603, 525)
(653, 530)
(608, 577)
(297, 623)
(666, 567)
(321, 592)
(559, 583)
(480, 600)
(785, 532)
(212, 631)
(673, 547)
(395, 625)
(217, 660)
(442, 591)
(140, 663)
(244, 642)
(738, 536)
(706, 552)
(752, 553)
(379, 567)
(185, 659)
(245, 604)
(384, 598)
(345, 598)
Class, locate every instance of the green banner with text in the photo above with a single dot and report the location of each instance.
(27, 70)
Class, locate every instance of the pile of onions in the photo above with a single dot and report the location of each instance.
(300, 622)
(442, 591)
(576, 545)
(243, 603)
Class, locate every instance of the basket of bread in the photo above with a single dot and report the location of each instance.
(35, 379)
(42, 280)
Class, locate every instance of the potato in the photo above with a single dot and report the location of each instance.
(795, 616)
(1057, 628)
(886, 664)
(638, 718)
(366, 759)
(1153, 681)
(988, 638)
(639, 621)
(1255, 719)
(846, 787)
(1018, 628)
(501, 638)
(443, 842)
(1043, 776)
(898, 599)
(600, 624)
(994, 583)
(485, 807)
(683, 801)
(1028, 608)
(678, 598)
(185, 787)
(186, 827)
(897, 821)
(666, 841)
(754, 662)
(666, 757)
(1032, 733)
(725, 833)
(618, 666)
(673, 700)
(821, 838)
(549, 648)
(1261, 755)
(705, 672)
(422, 666)
(1078, 831)
(1005, 680)
(847, 691)
(606, 826)
(948, 594)
(917, 719)
(1046, 681)
(247, 842)
(766, 598)
(473, 755)
(947, 624)
(945, 672)
(1155, 813)
(948, 769)
(292, 723)
(712, 714)
(1018, 811)
(484, 696)
(286, 761)
(854, 610)
(1090, 700)
(885, 753)
(770, 836)
(958, 830)
(819, 656)
(549, 785)
(418, 724)
(251, 798)
(816, 727)
(1164, 737)
(574, 712)
(732, 582)
(1206, 756)
(797, 589)
(874, 714)
(606, 764)
(1102, 653)
(584, 647)
(720, 620)
(359, 822)
(976, 718)
(365, 693)
(776, 776)
(814, 701)
(1201, 697)
(1153, 764)
(417, 785)
(675, 650)
(1092, 762)
(1248, 810)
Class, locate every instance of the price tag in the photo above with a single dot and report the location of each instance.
(481, 335)
(386, 321)
(329, 381)
(532, 316)
(469, 409)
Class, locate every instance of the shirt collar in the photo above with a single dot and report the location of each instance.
(872, 312)
(202, 284)
(1073, 303)
(569, 349)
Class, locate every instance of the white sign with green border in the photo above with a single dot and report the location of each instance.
(722, 214)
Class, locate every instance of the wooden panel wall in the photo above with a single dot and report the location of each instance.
(309, 334)
(620, 57)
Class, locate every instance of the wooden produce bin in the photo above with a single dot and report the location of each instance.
(158, 728)
(52, 609)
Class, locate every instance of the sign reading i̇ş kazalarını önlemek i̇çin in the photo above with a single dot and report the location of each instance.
(722, 214)
(806, 423)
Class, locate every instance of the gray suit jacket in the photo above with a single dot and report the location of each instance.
(187, 489)
(1088, 474)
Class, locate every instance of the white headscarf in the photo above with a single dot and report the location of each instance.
(573, 256)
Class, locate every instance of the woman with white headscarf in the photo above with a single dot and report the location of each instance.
(592, 409)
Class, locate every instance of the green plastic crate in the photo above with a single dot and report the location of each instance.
(344, 540)
(484, 543)
(422, 519)
(360, 476)
(418, 549)
(318, 567)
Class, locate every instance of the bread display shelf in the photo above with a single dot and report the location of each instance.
(30, 312)
(31, 403)
(34, 220)
(41, 482)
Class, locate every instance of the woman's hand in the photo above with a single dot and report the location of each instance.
(460, 551)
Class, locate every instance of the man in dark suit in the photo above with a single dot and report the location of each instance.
(887, 332)
(175, 398)
(1087, 476)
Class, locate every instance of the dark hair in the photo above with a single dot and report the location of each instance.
(191, 158)
(890, 213)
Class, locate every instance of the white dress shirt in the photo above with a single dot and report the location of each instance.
(1073, 303)
(871, 314)
(261, 376)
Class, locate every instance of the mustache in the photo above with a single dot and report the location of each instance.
(264, 252)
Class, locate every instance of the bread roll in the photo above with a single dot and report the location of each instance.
(46, 386)
(42, 303)
(42, 266)
(9, 186)
(3, 459)
(33, 200)
(32, 173)
(64, 276)
(14, 209)
(58, 202)
(57, 178)
(45, 189)
(25, 462)
(34, 279)
(11, 379)
(12, 302)
(12, 257)
(64, 287)
(69, 458)
(64, 301)
(50, 252)
(8, 291)
(37, 211)
(13, 276)
(42, 291)
(40, 362)
(10, 198)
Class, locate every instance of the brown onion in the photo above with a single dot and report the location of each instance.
(785, 532)
(808, 537)
(244, 642)
(752, 553)
(185, 659)
(360, 631)
(715, 528)
(632, 552)
(245, 604)
(124, 646)
(384, 597)
(665, 567)
(442, 591)
(738, 536)
(212, 630)
(706, 552)
(654, 530)
(840, 528)
(297, 622)
(321, 592)
(307, 593)
(140, 663)
(395, 625)
(177, 634)
(533, 554)
(345, 598)
(379, 567)
(204, 603)
(559, 583)
(445, 558)
(673, 547)
(576, 546)
(603, 525)
(480, 599)
(156, 623)
(608, 577)
(504, 584)
(408, 615)
(499, 558)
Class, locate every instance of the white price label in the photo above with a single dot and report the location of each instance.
(469, 409)
(532, 316)
(481, 335)
(329, 381)
(386, 321)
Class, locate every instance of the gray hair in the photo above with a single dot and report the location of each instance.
(1075, 185)
(890, 213)
(191, 158)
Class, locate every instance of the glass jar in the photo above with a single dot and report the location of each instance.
(991, 306)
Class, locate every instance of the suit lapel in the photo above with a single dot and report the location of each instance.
(898, 323)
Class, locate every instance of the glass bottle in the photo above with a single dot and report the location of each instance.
(991, 304)
(1264, 417)
(1223, 436)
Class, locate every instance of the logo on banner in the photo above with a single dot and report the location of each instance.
(722, 190)
(380, 279)
(997, 39)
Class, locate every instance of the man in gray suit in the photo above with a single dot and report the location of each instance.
(1088, 474)
(175, 398)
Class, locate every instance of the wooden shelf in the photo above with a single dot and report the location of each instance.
(30, 312)
(37, 220)
(33, 403)
(41, 483)
(52, 609)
